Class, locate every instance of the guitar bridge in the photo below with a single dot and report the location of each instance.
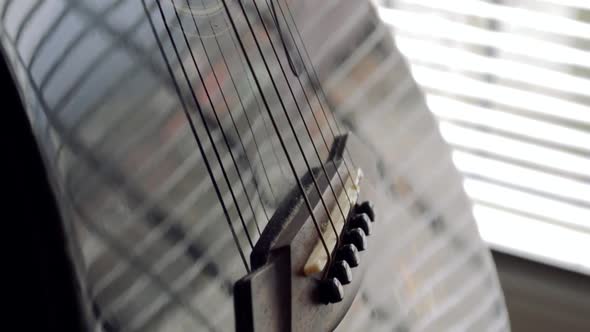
(295, 284)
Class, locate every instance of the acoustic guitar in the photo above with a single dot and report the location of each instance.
(247, 165)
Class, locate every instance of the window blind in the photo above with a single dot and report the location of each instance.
(509, 84)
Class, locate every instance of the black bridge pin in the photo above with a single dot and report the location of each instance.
(331, 290)
(361, 221)
(342, 271)
(350, 254)
(367, 208)
(357, 237)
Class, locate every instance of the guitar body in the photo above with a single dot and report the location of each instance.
(202, 152)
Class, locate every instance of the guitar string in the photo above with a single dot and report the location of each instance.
(303, 120)
(300, 112)
(242, 104)
(214, 34)
(283, 41)
(207, 129)
(272, 9)
(318, 83)
(322, 92)
(273, 120)
(306, 161)
(259, 107)
(215, 113)
(193, 130)
(311, 81)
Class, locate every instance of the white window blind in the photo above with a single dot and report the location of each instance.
(509, 82)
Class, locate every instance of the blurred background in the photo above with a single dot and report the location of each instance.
(508, 81)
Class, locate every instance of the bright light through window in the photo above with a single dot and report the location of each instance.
(509, 82)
